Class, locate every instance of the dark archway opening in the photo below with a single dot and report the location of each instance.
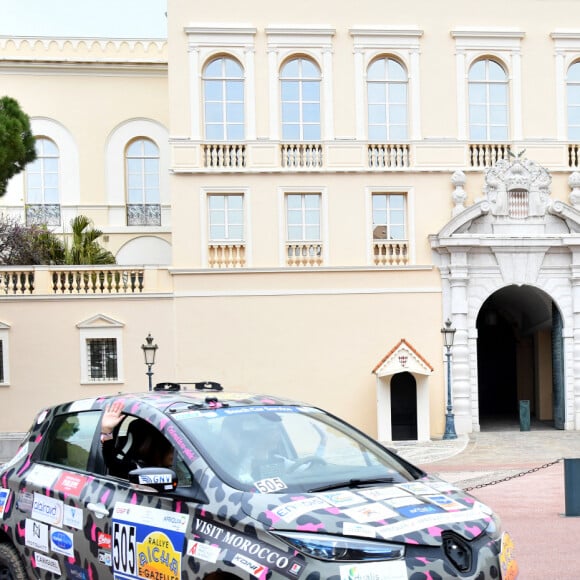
(403, 407)
(516, 359)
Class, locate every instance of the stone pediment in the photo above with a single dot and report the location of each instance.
(100, 321)
(402, 358)
(516, 201)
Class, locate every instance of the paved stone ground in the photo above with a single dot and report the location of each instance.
(532, 505)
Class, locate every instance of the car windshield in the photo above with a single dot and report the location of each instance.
(289, 448)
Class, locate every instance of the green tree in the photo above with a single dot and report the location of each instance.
(16, 141)
(84, 248)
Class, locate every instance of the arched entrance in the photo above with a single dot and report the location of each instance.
(404, 407)
(510, 277)
(516, 358)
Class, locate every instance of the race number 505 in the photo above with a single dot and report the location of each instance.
(124, 548)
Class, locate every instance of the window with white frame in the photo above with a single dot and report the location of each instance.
(303, 217)
(101, 350)
(300, 100)
(389, 220)
(142, 178)
(42, 185)
(387, 100)
(488, 101)
(226, 217)
(573, 101)
(489, 78)
(223, 94)
(102, 359)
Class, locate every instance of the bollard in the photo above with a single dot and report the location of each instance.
(524, 415)
(572, 486)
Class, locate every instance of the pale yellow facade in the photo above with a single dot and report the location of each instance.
(330, 311)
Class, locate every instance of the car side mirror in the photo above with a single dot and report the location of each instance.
(159, 479)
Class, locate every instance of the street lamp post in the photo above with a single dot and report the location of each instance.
(149, 351)
(448, 332)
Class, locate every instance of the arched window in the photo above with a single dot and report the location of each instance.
(142, 178)
(42, 185)
(223, 93)
(300, 93)
(488, 101)
(573, 98)
(387, 100)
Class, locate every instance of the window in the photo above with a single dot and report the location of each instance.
(573, 99)
(226, 217)
(223, 93)
(303, 217)
(42, 185)
(488, 101)
(69, 439)
(389, 216)
(102, 359)
(142, 174)
(387, 100)
(300, 93)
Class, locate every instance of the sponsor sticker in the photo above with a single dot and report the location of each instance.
(427, 521)
(147, 542)
(42, 476)
(70, 483)
(46, 563)
(445, 502)
(233, 542)
(395, 570)
(104, 541)
(380, 493)
(73, 517)
(36, 535)
(106, 558)
(342, 498)
(405, 500)
(292, 510)
(352, 529)
(75, 572)
(47, 509)
(201, 551)
(20, 454)
(416, 487)
(250, 566)
(4, 496)
(61, 542)
(370, 512)
(415, 511)
(158, 478)
(507, 561)
(24, 501)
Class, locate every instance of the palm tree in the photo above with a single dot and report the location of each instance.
(85, 248)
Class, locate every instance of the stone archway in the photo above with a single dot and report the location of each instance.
(514, 352)
(516, 235)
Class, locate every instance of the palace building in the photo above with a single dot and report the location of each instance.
(299, 196)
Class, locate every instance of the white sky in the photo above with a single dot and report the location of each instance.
(80, 18)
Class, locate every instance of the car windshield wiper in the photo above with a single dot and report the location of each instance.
(351, 483)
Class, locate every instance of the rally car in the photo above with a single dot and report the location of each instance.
(254, 487)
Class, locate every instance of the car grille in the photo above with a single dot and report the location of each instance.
(458, 551)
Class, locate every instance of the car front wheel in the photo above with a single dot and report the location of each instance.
(11, 567)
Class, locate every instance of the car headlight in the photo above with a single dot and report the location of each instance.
(327, 547)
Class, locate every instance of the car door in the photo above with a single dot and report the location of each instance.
(53, 501)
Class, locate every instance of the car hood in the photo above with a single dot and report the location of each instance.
(416, 512)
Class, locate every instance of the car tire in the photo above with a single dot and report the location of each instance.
(11, 566)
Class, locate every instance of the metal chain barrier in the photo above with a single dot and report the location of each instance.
(507, 478)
